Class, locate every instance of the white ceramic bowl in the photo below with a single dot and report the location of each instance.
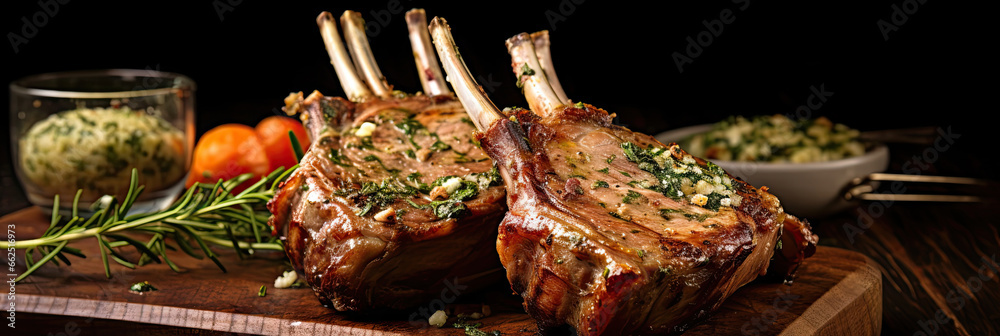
(814, 189)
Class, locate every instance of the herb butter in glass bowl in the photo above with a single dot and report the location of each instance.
(88, 130)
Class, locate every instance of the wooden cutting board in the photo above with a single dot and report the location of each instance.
(838, 292)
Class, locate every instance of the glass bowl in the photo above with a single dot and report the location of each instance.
(88, 130)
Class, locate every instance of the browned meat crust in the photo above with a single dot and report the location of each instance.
(590, 243)
(356, 254)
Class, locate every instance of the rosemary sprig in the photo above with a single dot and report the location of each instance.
(205, 214)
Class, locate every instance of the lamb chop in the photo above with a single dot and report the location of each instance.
(395, 202)
(609, 231)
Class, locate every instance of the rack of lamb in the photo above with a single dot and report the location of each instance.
(395, 202)
(609, 231)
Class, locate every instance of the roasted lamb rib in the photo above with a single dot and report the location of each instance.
(395, 201)
(609, 231)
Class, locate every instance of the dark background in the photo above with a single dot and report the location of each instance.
(937, 69)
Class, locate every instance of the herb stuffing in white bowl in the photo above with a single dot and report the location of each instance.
(808, 164)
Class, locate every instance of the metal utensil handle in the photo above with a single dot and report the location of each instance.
(862, 188)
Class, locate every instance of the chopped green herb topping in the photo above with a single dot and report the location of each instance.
(372, 157)
(611, 158)
(473, 329)
(440, 146)
(620, 216)
(665, 213)
(631, 197)
(141, 287)
(374, 194)
(682, 178)
(338, 159)
(700, 218)
(600, 184)
(363, 143)
(605, 170)
(414, 177)
(410, 127)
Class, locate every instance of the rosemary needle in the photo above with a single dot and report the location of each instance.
(205, 214)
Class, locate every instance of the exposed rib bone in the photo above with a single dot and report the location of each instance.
(355, 89)
(431, 77)
(479, 107)
(354, 33)
(545, 59)
(541, 98)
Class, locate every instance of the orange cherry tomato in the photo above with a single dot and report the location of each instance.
(273, 133)
(228, 151)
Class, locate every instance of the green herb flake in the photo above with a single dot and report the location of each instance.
(605, 170)
(600, 184)
(620, 216)
(262, 292)
(440, 146)
(696, 217)
(611, 158)
(526, 71)
(142, 287)
(414, 177)
(473, 329)
(450, 209)
(607, 271)
(631, 196)
(372, 157)
(625, 173)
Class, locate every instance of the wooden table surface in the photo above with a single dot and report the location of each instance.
(938, 261)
